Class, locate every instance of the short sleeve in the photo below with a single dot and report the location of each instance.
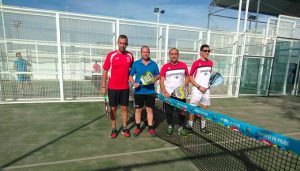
(106, 65)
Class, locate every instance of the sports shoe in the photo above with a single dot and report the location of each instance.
(114, 133)
(170, 130)
(151, 132)
(126, 133)
(189, 130)
(204, 130)
(136, 132)
(182, 132)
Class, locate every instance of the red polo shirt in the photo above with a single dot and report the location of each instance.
(118, 64)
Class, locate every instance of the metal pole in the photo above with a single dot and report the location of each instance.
(60, 69)
(246, 16)
(239, 16)
(257, 13)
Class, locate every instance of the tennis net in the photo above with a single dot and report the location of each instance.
(231, 145)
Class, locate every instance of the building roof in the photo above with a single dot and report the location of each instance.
(268, 7)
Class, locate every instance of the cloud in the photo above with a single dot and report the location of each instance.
(187, 12)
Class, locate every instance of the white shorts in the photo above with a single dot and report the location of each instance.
(197, 97)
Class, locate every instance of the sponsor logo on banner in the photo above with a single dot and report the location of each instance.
(182, 106)
(273, 138)
(201, 112)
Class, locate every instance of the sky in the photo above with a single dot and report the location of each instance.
(183, 12)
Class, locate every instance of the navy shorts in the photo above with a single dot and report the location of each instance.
(118, 97)
(144, 99)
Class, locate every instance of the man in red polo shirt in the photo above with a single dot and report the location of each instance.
(118, 63)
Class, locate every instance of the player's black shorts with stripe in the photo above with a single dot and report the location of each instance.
(118, 97)
(144, 99)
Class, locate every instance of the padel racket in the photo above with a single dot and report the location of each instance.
(215, 79)
(147, 78)
(181, 92)
(106, 105)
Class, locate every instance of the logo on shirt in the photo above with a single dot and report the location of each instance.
(128, 59)
(199, 64)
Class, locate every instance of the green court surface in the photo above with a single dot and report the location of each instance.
(76, 136)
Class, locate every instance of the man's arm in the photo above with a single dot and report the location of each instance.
(163, 88)
(28, 63)
(104, 77)
(187, 80)
(131, 80)
(200, 88)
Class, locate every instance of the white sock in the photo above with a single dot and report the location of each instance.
(191, 123)
(180, 128)
(203, 124)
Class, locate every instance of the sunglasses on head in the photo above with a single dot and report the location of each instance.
(206, 51)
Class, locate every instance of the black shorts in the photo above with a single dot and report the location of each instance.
(118, 97)
(141, 99)
(169, 108)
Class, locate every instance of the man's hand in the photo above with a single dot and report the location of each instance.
(136, 85)
(202, 89)
(166, 94)
(103, 91)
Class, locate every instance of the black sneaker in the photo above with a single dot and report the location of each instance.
(204, 130)
(189, 130)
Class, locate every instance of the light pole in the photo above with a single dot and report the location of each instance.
(17, 25)
(158, 12)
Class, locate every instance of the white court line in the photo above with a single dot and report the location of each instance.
(295, 133)
(123, 154)
(88, 158)
(113, 155)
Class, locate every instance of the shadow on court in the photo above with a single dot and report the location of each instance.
(51, 142)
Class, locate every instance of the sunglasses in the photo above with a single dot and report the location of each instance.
(206, 51)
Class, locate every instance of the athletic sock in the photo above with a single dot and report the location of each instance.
(138, 125)
(190, 124)
(203, 124)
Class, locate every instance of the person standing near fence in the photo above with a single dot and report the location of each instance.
(20, 67)
(118, 63)
(95, 75)
(144, 94)
(174, 74)
(199, 77)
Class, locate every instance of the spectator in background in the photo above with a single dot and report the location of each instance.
(96, 75)
(20, 67)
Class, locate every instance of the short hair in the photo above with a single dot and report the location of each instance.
(144, 46)
(203, 46)
(123, 36)
(18, 53)
(173, 49)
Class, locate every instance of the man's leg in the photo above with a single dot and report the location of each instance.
(139, 103)
(205, 102)
(113, 116)
(196, 95)
(113, 103)
(124, 99)
(168, 109)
